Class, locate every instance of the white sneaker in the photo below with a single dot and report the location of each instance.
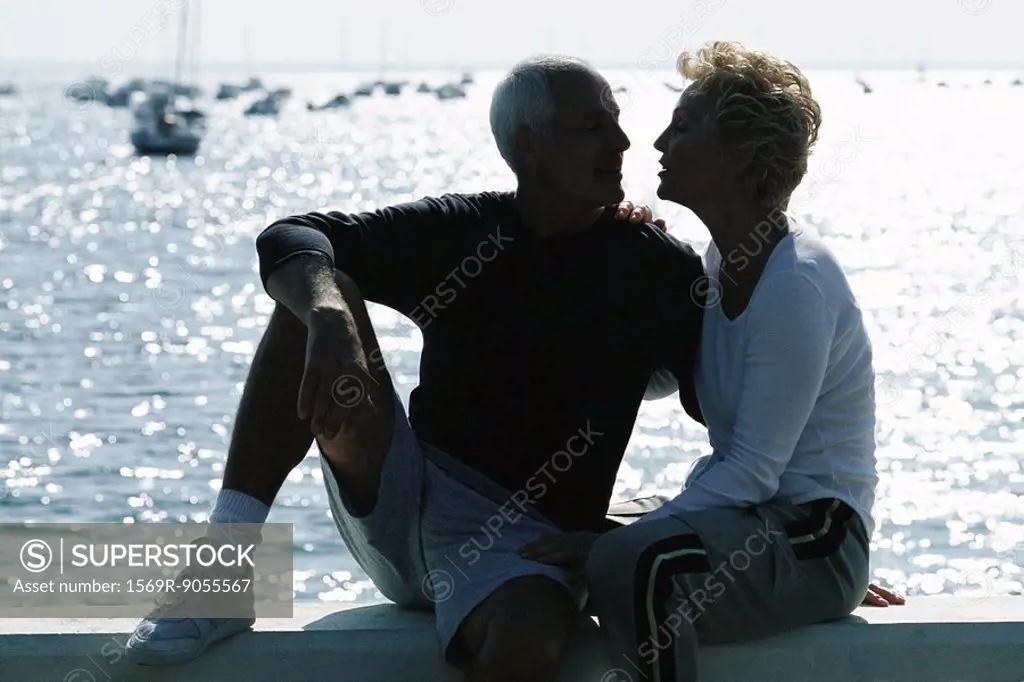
(165, 638)
(171, 641)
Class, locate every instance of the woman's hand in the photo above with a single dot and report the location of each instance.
(568, 550)
(637, 214)
(879, 596)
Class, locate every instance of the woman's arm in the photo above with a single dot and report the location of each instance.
(790, 333)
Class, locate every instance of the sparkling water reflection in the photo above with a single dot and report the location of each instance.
(132, 307)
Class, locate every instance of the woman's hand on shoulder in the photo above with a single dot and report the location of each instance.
(638, 214)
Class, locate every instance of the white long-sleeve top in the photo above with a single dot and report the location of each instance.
(786, 389)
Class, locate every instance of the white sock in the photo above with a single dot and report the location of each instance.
(235, 507)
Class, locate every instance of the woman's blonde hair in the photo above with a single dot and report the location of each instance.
(760, 105)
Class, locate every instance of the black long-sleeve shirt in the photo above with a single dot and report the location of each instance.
(536, 350)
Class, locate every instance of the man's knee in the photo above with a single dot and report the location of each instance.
(519, 652)
(515, 659)
(284, 321)
(284, 340)
(520, 632)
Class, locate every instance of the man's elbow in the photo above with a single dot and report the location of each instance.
(271, 236)
(261, 241)
(285, 239)
(268, 238)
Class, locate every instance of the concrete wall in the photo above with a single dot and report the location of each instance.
(933, 639)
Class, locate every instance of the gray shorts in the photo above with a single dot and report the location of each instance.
(441, 536)
(662, 586)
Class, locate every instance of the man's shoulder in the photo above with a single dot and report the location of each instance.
(659, 253)
(451, 214)
(674, 248)
(482, 204)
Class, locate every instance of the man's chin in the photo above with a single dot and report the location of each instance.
(613, 197)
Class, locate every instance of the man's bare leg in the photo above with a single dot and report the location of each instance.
(357, 454)
(268, 441)
(520, 632)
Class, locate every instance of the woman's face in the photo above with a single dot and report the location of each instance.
(696, 168)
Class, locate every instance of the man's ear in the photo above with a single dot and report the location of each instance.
(525, 143)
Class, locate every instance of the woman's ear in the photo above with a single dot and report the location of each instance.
(739, 163)
(740, 157)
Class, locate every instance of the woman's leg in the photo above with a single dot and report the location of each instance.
(659, 587)
(643, 644)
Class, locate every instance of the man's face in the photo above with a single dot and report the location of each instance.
(582, 158)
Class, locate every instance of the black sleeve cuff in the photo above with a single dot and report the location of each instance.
(283, 241)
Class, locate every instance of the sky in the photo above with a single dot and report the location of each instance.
(496, 33)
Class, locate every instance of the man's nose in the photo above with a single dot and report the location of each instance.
(621, 140)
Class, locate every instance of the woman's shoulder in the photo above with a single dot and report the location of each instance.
(806, 276)
(805, 256)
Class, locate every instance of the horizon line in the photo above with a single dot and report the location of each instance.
(503, 65)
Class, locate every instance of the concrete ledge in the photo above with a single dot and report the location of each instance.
(933, 639)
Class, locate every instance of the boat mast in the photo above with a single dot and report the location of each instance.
(246, 52)
(382, 67)
(182, 41)
(193, 52)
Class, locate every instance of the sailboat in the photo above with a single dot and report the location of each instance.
(163, 123)
(232, 90)
(452, 89)
(270, 104)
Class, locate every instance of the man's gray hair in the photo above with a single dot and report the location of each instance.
(524, 97)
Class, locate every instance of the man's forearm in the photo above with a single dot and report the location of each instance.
(306, 284)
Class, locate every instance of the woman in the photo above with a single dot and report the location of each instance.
(771, 531)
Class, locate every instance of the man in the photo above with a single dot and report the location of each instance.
(543, 318)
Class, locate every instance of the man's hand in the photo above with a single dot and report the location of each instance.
(637, 214)
(337, 376)
(879, 596)
(568, 550)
